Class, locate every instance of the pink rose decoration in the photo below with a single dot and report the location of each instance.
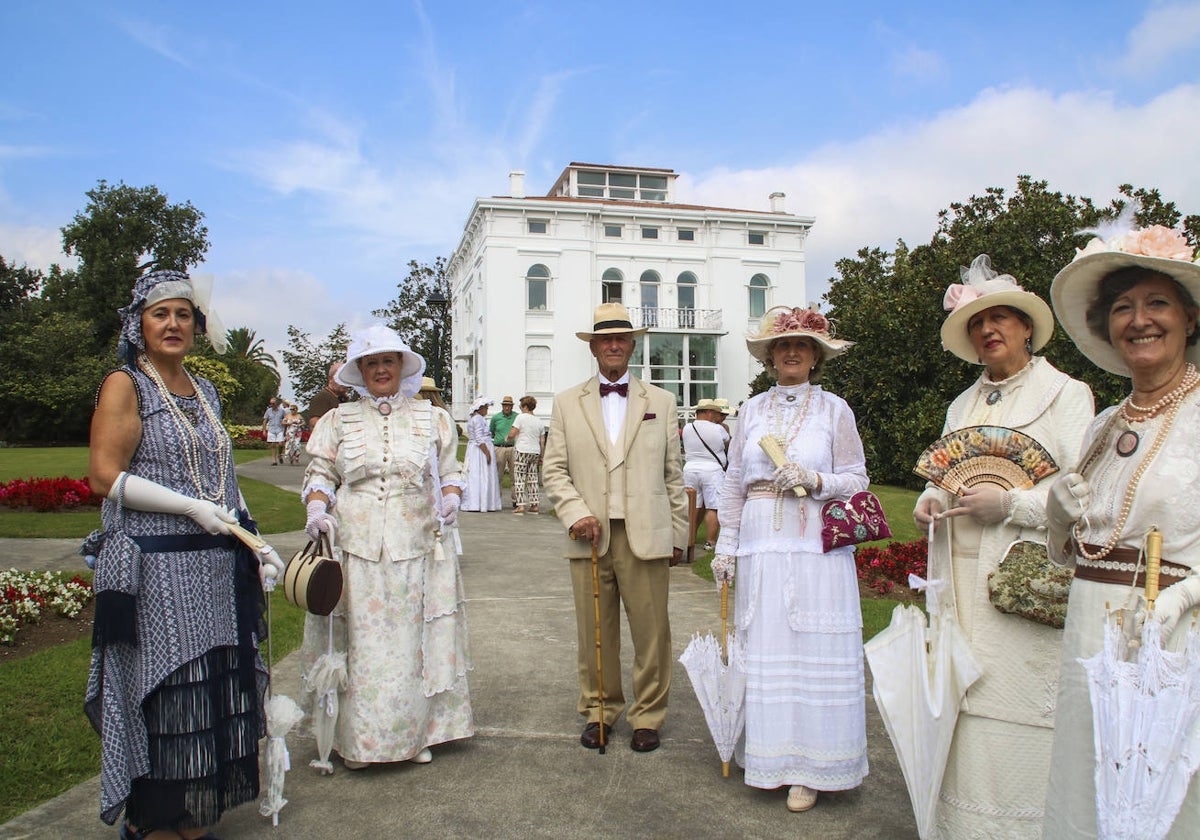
(796, 320)
(1158, 241)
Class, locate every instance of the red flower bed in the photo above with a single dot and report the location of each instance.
(882, 568)
(48, 494)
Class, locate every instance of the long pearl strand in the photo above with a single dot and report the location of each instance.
(193, 442)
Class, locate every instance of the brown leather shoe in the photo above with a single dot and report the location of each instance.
(644, 740)
(591, 735)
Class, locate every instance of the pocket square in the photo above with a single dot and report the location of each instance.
(649, 415)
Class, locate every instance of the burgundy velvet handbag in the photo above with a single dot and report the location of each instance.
(855, 520)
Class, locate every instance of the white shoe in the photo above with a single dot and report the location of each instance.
(800, 798)
(423, 757)
(354, 765)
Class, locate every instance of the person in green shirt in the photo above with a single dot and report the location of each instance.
(500, 425)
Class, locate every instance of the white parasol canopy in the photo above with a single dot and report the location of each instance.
(282, 715)
(920, 672)
(719, 680)
(325, 679)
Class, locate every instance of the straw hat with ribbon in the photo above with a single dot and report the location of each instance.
(611, 319)
(982, 288)
(1157, 248)
(713, 405)
(784, 321)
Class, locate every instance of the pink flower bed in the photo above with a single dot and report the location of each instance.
(882, 568)
(48, 494)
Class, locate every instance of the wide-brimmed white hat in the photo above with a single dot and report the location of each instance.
(1157, 248)
(611, 319)
(379, 339)
(982, 288)
(480, 402)
(781, 321)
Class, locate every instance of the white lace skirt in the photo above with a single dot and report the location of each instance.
(798, 615)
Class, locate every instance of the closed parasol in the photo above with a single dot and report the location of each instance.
(921, 669)
(1145, 719)
(717, 670)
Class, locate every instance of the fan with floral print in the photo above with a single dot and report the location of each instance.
(985, 455)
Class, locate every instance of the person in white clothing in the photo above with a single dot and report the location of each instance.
(992, 787)
(706, 455)
(482, 492)
(798, 611)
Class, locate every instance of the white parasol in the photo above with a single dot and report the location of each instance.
(718, 675)
(1145, 720)
(325, 679)
(920, 672)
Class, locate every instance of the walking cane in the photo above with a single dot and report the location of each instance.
(724, 647)
(599, 656)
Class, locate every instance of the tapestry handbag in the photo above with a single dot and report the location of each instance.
(313, 579)
(851, 521)
(1028, 584)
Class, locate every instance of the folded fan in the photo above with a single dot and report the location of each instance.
(985, 455)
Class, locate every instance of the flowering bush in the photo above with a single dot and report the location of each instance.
(48, 494)
(247, 437)
(25, 595)
(882, 568)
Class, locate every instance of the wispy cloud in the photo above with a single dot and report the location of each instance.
(1164, 33)
(915, 63)
(154, 37)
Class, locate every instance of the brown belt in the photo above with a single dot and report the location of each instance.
(1120, 566)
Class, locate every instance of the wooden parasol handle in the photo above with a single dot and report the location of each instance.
(1154, 541)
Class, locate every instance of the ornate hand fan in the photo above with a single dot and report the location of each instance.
(985, 455)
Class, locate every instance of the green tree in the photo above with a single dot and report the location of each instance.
(123, 231)
(308, 363)
(244, 342)
(898, 378)
(18, 284)
(425, 328)
(216, 372)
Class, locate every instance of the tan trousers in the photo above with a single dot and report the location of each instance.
(642, 585)
(504, 461)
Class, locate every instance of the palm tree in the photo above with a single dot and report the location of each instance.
(244, 343)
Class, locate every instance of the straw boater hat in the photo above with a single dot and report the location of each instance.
(713, 405)
(1157, 248)
(982, 288)
(783, 321)
(610, 319)
(379, 339)
(427, 384)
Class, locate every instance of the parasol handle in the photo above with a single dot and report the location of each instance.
(774, 449)
(724, 621)
(1154, 541)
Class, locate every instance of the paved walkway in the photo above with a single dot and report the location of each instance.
(524, 774)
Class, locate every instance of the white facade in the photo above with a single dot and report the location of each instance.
(529, 272)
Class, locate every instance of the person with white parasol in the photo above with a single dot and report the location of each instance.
(1129, 302)
(990, 788)
(384, 474)
(797, 610)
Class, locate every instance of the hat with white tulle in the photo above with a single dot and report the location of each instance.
(1157, 248)
(982, 288)
(154, 286)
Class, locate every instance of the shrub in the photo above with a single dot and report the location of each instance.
(25, 595)
(882, 568)
(48, 494)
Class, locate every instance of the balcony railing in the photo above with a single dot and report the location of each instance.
(662, 318)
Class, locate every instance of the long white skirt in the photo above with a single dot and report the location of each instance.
(800, 619)
(482, 491)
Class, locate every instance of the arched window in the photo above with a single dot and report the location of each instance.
(611, 284)
(758, 295)
(537, 369)
(537, 288)
(686, 289)
(649, 284)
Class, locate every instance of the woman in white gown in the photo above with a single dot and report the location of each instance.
(482, 492)
(999, 761)
(797, 608)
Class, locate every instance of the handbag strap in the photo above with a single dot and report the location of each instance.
(704, 443)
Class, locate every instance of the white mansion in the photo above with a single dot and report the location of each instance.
(529, 271)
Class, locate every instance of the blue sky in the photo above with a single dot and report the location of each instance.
(329, 144)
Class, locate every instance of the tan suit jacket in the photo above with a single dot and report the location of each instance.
(577, 468)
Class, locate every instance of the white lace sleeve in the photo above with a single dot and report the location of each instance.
(733, 492)
(849, 468)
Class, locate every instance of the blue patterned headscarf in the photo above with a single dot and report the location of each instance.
(166, 285)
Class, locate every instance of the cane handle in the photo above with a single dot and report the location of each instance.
(1154, 541)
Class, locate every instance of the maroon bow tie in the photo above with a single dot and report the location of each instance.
(621, 388)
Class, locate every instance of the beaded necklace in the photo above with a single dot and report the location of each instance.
(785, 428)
(1173, 402)
(193, 442)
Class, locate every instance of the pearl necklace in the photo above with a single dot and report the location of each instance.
(1173, 405)
(193, 442)
(785, 429)
(1190, 377)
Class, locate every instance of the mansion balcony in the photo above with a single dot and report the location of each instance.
(662, 318)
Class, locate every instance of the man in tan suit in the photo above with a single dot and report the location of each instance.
(612, 471)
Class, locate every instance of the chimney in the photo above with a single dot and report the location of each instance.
(516, 183)
(777, 202)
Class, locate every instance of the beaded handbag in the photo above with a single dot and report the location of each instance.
(855, 520)
(1028, 584)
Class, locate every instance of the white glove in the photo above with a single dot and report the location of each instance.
(270, 565)
(319, 520)
(143, 494)
(986, 505)
(450, 503)
(926, 511)
(791, 475)
(723, 568)
(1175, 601)
(1069, 498)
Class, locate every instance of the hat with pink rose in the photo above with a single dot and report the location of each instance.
(982, 287)
(1157, 248)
